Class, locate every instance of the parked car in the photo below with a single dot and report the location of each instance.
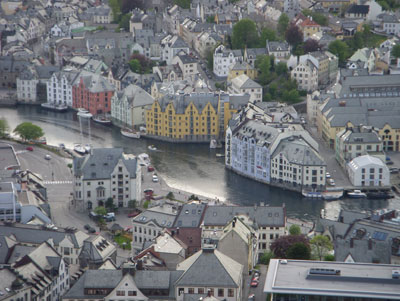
(252, 297)
(29, 148)
(389, 162)
(134, 213)
(254, 283)
(327, 175)
(331, 182)
(148, 190)
(155, 179)
(91, 230)
(87, 227)
(150, 168)
(394, 170)
(47, 157)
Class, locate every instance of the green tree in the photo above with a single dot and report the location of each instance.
(283, 23)
(135, 66)
(109, 203)
(132, 204)
(3, 127)
(321, 245)
(266, 257)
(183, 3)
(100, 210)
(263, 64)
(244, 34)
(146, 204)
(317, 17)
(29, 131)
(116, 10)
(281, 68)
(299, 250)
(210, 19)
(273, 89)
(266, 34)
(340, 49)
(294, 230)
(396, 51)
(170, 196)
(290, 96)
(124, 22)
(329, 257)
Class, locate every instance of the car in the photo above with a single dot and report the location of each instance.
(155, 179)
(134, 213)
(254, 283)
(252, 297)
(47, 157)
(150, 168)
(87, 227)
(394, 170)
(62, 146)
(29, 148)
(255, 278)
(389, 162)
(91, 230)
(148, 190)
(327, 175)
(331, 182)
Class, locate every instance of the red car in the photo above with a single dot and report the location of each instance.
(150, 168)
(254, 283)
(29, 148)
(134, 213)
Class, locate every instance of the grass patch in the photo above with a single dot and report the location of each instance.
(121, 239)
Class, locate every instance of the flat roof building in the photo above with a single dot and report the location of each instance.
(316, 280)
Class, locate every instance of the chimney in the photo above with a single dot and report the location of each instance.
(139, 265)
(177, 231)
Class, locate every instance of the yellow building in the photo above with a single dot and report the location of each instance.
(196, 117)
(335, 5)
(240, 68)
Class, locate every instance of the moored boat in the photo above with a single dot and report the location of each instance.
(54, 107)
(102, 119)
(130, 133)
(311, 194)
(213, 143)
(78, 148)
(220, 155)
(356, 194)
(84, 113)
(87, 148)
(144, 159)
(152, 148)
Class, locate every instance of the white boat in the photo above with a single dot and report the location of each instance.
(144, 159)
(213, 143)
(356, 194)
(332, 194)
(152, 148)
(101, 119)
(84, 113)
(130, 133)
(311, 194)
(219, 155)
(79, 149)
(54, 107)
(87, 148)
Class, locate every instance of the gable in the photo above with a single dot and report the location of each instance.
(126, 288)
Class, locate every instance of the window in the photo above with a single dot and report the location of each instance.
(132, 293)
(120, 293)
(231, 292)
(220, 292)
(191, 290)
(200, 290)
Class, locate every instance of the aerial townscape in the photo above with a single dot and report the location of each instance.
(199, 150)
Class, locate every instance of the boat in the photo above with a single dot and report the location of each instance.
(84, 113)
(152, 148)
(41, 140)
(102, 119)
(356, 194)
(79, 149)
(87, 148)
(130, 133)
(54, 107)
(311, 194)
(379, 195)
(144, 159)
(213, 143)
(332, 194)
(220, 155)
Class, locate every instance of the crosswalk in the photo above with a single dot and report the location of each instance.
(56, 182)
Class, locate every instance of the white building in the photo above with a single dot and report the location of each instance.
(59, 87)
(188, 65)
(368, 171)
(171, 46)
(149, 224)
(223, 59)
(128, 107)
(391, 24)
(106, 173)
(242, 84)
(306, 76)
(279, 50)
(27, 85)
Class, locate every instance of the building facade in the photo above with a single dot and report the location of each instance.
(223, 59)
(242, 84)
(368, 171)
(59, 87)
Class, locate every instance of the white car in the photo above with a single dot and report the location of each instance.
(47, 157)
(331, 182)
(155, 179)
(327, 175)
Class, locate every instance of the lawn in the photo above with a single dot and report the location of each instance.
(121, 239)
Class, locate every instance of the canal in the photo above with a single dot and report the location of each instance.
(189, 167)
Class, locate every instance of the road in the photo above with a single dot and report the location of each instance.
(257, 291)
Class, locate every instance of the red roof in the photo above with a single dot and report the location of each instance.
(309, 22)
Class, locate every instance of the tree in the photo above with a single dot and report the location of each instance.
(100, 210)
(283, 243)
(146, 204)
(183, 3)
(210, 19)
(299, 250)
(29, 131)
(290, 96)
(283, 23)
(170, 196)
(266, 257)
(116, 10)
(3, 127)
(329, 257)
(263, 64)
(340, 49)
(266, 34)
(135, 66)
(396, 51)
(317, 17)
(132, 204)
(128, 5)
(109, 203)
(272, 89)
(124, 22)
(244, 34)
(293, 35)
(146, 65)
(281, 68)
(321, 245)
(294, 230)
(311, 45)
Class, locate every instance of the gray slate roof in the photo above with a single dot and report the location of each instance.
(190, 215)
(101, 163)
(264, 216)
(181, 102)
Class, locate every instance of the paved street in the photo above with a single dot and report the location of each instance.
(257, 291)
